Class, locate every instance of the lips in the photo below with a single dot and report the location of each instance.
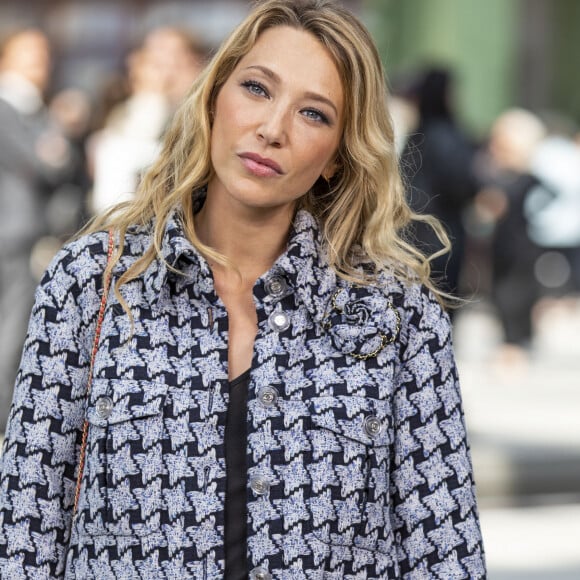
(259, 165)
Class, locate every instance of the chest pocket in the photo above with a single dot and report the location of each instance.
(122, 492)
(350, 439)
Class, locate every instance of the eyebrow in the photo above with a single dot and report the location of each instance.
(309, 95)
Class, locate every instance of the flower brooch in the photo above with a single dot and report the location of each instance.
(361, 322)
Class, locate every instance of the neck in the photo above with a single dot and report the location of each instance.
(251, 239)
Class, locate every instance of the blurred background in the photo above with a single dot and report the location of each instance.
(485, 97)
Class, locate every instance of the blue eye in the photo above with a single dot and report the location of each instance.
(315, 115)
(255, 88)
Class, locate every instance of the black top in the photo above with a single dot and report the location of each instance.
(236, 476)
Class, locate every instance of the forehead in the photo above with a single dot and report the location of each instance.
(288, 41)
(297, 57)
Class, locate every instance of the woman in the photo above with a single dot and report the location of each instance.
(274, 393)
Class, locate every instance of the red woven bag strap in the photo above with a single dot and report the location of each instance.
(106, 284)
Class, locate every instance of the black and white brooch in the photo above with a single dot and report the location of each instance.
(361, 321)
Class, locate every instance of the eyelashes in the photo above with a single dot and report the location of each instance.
(316, 115)
(257, 89)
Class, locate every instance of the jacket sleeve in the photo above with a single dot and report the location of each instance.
(40, 452)
(435, 515)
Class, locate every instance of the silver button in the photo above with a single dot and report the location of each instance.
(279, 321)
(268, 396)
(373, 426)
(276, 286)
(259, 485)
(104, 407)
(260, 574)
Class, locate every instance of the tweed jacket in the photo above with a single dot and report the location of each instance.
(358, 465)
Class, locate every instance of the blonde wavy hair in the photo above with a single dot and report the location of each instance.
(362, 211)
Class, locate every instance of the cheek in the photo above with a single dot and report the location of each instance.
(232, 114)
(216, 146)
(317, 154)
(222, 134)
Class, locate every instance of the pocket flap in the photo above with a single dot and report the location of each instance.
(361, 419)
(119, 400)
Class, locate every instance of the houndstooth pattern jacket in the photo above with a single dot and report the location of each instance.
(358, 465)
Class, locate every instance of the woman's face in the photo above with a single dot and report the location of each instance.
(277, 122)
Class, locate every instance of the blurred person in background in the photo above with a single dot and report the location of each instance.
(160, 72)
(504, 170)
(274, 392)
(437, 162)
(553, 208)
(403, 108)
(71, 111)
(35, 158)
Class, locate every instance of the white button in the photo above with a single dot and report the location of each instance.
(104, 407)
(276, 286)
(373, 426)
(268, 396)
(259, 485)
(260, 574)
(279, 321)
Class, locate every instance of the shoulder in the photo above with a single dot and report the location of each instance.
(6, 108)
(81, 262)
(419, 307)
(76, 263)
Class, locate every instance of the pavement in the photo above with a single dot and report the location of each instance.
(532, 543)
(523, 418)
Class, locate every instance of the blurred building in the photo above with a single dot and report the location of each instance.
(93, 37)
(520, 52)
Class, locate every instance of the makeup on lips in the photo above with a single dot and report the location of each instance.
(260, 166)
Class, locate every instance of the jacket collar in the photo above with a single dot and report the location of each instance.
(303, 266)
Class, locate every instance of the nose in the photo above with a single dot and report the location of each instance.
(273, 129)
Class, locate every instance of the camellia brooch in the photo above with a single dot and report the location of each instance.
(361, 321)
